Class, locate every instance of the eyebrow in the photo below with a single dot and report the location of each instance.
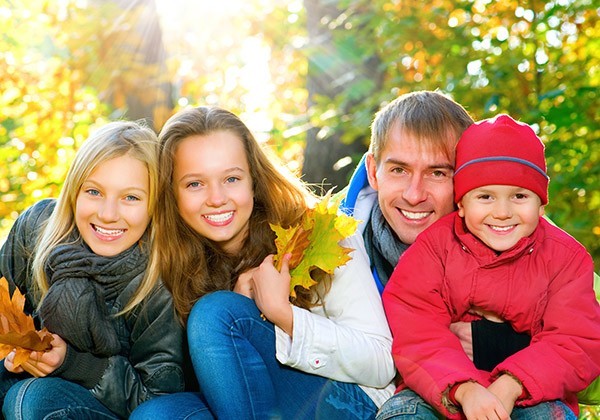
(92, 183)
(402, 163)
(235, 169)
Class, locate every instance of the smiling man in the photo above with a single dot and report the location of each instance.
(404, 183)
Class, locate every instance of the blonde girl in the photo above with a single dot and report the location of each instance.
(82, 262)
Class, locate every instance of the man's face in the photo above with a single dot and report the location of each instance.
(414, 184)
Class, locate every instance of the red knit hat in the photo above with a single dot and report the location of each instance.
(500, 151)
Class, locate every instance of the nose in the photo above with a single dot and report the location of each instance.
(414, 191)
(109, 211)
(502, 210)
(216, 196)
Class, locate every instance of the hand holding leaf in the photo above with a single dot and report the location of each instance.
(314, 242)
(17, 330)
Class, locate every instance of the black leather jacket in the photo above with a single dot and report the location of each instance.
(150, 361)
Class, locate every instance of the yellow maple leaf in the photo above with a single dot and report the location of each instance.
(17, 330)
(315, 242)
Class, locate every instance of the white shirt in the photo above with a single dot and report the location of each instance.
(346, 339)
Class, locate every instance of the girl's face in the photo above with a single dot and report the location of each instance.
(213, 187)
(111, 212)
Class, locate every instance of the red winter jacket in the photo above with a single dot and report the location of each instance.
(542, 286)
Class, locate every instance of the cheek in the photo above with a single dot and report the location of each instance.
(444, 196)
(83, 209)
(389, 190)
(186, 202)
(141, 219)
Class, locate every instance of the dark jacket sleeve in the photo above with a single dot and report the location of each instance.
(17, 251)
(154, 366)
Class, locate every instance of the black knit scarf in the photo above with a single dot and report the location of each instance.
(82, 284)
(382, 244)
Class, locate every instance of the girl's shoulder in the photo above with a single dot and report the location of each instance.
(32, 219)
(39, 212)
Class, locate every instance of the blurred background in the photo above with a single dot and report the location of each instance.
(306, 76)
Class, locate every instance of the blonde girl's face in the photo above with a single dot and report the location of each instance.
(111, 212)
(213, 187)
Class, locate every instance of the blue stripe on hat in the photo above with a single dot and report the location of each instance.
(502, 159)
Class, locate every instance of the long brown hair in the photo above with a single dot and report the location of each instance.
(192, 265)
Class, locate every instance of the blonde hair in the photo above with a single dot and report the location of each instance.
(429, 116)
(111, 141)
(192, 265)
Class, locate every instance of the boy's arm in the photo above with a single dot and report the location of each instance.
(427, 354)
(568, 345)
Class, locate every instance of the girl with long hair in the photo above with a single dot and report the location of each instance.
(255, 352)
(83, 262)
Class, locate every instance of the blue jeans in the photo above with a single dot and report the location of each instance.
(52, 398)
(406, 404)
(233, 353)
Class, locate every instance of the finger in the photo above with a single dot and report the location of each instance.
(285, 264)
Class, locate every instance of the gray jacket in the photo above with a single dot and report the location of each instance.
(151, 356)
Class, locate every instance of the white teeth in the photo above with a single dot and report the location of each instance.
(415, 216)
(109, 232)
(219, 218)
(501, 228)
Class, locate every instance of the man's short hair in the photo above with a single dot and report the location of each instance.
(429, 116)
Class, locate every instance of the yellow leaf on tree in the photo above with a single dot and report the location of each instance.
(17, 330)
(315, 242)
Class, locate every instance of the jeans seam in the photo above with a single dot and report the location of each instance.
(235, 324)
(20, 396)
(62, 413)
(351, 396)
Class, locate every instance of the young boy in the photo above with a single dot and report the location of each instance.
(494, 258)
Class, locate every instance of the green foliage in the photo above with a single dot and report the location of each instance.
(46, 106)
(538, 62)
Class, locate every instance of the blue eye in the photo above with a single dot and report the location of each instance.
(132, 198)
(93, 192)
(232, 179)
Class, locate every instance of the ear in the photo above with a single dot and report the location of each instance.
(461, 209)
(372, 171)
(542, 210)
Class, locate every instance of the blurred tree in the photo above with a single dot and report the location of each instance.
(47, 107)
(537, 61)
(329, 152)
(131, 70)
(65, 66)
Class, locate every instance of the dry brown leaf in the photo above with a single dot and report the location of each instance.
(17, 330)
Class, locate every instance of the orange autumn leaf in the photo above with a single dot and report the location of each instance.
(17, 330)
(315, 243)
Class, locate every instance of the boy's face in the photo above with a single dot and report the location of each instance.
(500, 215)
(414, 184)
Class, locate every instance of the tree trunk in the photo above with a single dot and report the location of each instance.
(133, 74)
(329, 74)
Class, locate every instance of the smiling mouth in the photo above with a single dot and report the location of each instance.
(218, 218)
(108, 232)
(501, 228)
(411, 215)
